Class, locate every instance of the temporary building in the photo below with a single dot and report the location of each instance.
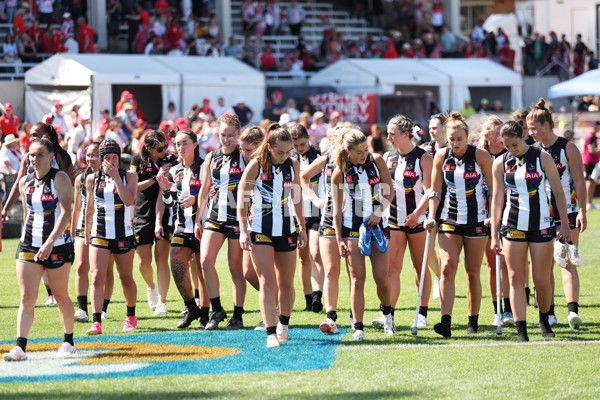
(452, 80)
(384, 77)
(476, 78)
(214, 77)
(588, 83)
(95, 82)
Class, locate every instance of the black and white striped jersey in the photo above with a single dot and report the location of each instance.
(527, 205)
(112, 219)
(82, 191)
(558, 151)
(305, 160)
(464, 202)
(43, 211)
(185, 183)
(362, 191)
(327, 213)
(272, 202)
(407, 177)
(226, 172)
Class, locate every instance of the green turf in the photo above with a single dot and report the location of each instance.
(371, 369)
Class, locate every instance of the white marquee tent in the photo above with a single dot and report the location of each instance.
(382, 76)
(90, 80)
(588, 83)
(453, 78)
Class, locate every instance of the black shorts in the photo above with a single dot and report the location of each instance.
(144, 233)
(230, 232)
(347, 233)
(588, 169)
(59, 256)
(280, 243)
(186, 240)
(312, 223)
(469, 231)
(326, 232)
(572, 221)
(417, 229)
(534, 236)
(116, 246)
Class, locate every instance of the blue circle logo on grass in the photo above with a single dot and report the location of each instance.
(170, 353)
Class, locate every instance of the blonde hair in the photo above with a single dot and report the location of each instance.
(346, 141)
(252, 134)
(275, 133)
(488, 126)
(540, 113)
(456, 120)
(230, 120)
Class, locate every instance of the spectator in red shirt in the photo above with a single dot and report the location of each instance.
(126, 97)
(390, 51)
(206, 107)
(103, 126)
(85, 36)
(267, 60)
(19, 24)
(174, 33)
(36, 33)
(57, 41)
(138, 111)
(9, 123)
(161, 7)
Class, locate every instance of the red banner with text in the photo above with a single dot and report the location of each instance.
(357, 108)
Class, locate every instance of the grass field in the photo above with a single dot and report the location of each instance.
(423, 366)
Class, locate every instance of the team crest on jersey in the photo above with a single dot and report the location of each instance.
(234, 164)
(262, 238)
(371, 173)
(287, 176)
(47, 197)
(469, 167)
(409, 166)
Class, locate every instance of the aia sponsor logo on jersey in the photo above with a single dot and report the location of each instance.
(235, 171)
(195, 182)
(409, 174)
(287, 184)
(47, 197)
(532, 175)
(374, 181)
(470, 175)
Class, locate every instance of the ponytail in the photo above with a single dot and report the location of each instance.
(274, 134)
(345, 142)
(63, 159)
(151, 140)
(540, 113)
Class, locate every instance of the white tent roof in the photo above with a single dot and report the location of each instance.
(357, 75)
(77, 69)
(214, 71)
(479, 72)
(588, 83)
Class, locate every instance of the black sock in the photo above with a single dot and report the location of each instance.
(82, 303)
(522, 331)
(317, 295)
(573, 306)
(204, 313)
(447, 321)
(308, 298)
(507, 307)
(359, 326)
(386, 310)
(105, 305)
(551, 310)
(22, 343)
(131, 311)
(444, 328)
(495, 303)
(191, 305)
(527, 293)
(422, 310)
(284, 319)
(473, 324)
(49, 290)
(69, 338)
(545, 325)
(394, 311)
(271, 330)
(237, 312)
(332, 315)
(97, 317)
(216, 304)
(196, 293)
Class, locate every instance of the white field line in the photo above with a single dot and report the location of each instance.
(458, 346)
